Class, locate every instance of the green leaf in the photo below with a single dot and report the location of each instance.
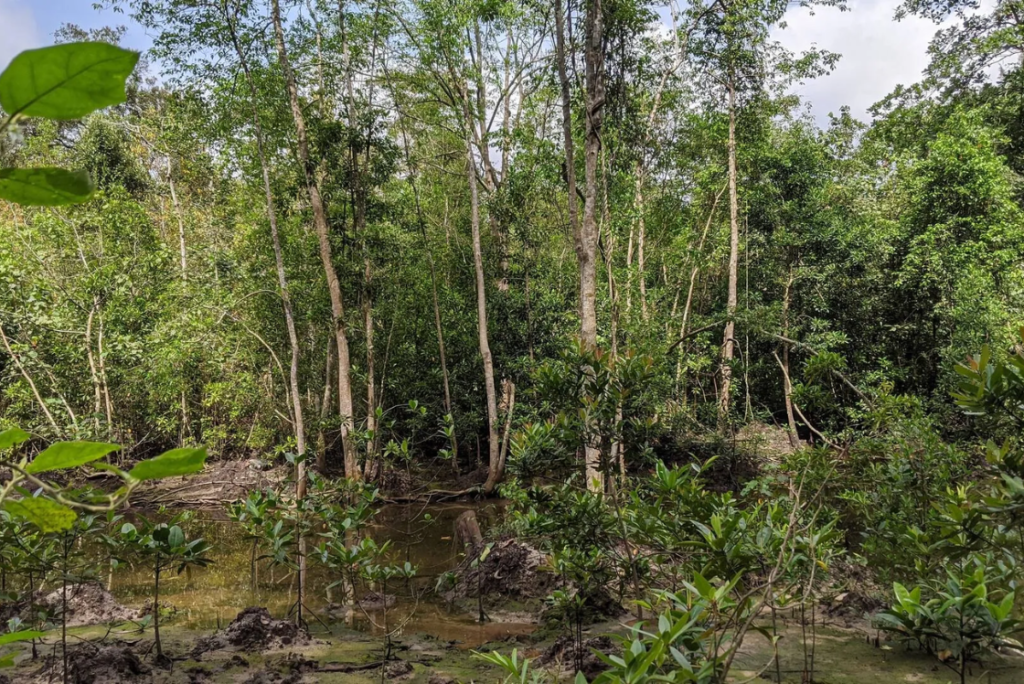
(175, 537)
(47, 515)
(69, 455)
(169, 464)
(66, 81)
(45, 186)
(13, 437)
(14, 637)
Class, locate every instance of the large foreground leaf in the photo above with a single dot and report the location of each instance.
(66, 81)
(169, 464)
(45, 186)
(13, 437)
(48, 516)
(69, 455)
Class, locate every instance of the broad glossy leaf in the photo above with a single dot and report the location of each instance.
(169, 464)
(14, 637)
(66, 81)
(13, 437)
(175, 537)
(47, 515)
(69, 455)
(45, 186)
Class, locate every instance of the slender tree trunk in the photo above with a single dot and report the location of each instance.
(787, 387)
(282, 279)
(181, 222)
(101, 357)
(325, 406)
(156, 610)
(494, 462)
(93, 372)
(694, 271)
(641, 238)
(570, 158)
(323, 236)
(728, 341)
(587, 249)
(28, 379)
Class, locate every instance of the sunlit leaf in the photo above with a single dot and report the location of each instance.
(66, 81)
(47, 515)
(13, 437)
(69, 455)
(169, 464)
(45, 186)
(14, 637)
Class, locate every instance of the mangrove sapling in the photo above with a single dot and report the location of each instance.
(379, 574)
(342, 523)
(254, 514)
(74, 569)
(164, 545)
(962, 619)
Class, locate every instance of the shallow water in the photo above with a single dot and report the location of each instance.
(207, 598)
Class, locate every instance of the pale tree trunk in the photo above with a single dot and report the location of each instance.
(323, 236)
(641, 237)
(282, 279)
(694, 271)
(181, 223)
(359, 228)
(101, 356)
(787, 387)
(325, 404)
(586, 252)
(494, 462)
(93, 372)
(570, 158)
(728, 341)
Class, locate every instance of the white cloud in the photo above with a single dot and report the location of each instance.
(18, 30)
(878, 53)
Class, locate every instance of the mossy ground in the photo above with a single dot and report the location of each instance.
(841, 655)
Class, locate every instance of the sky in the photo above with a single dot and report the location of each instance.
(878, 53)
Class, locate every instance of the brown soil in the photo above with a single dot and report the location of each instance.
(768, 441)
(562, 655)
(374, 601)
(90, 604)
(511, 569)
(89, 663)
(253, 631)
(218, 482)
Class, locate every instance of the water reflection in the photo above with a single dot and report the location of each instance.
(207, 598)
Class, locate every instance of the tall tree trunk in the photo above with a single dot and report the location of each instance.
(728, 341)
(494, 462)
(323, 236)
(586, 252)
(181, 222)
(694, 270)
(787, 387)
(282, 279)
(570, 158)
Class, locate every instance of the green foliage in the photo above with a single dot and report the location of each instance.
(46, 514)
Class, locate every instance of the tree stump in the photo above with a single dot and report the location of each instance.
(467, 530)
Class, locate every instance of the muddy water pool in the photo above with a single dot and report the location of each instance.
(206, 598)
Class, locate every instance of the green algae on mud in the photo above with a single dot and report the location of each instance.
(841, 656)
